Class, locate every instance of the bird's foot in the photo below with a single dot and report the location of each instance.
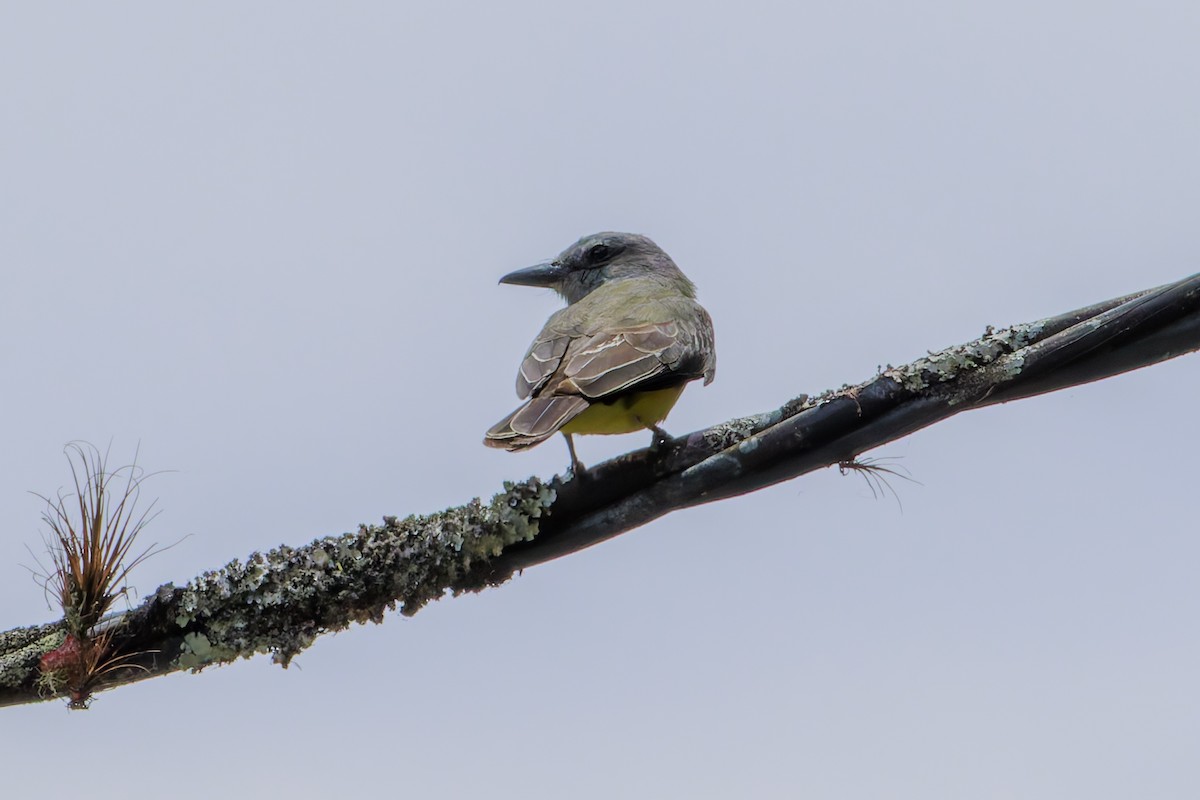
(578, 471)
(660, 439)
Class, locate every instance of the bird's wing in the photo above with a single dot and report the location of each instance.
(619, 334)
(611, 362)
(543, 358)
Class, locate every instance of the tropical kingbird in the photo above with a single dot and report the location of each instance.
(616, 359)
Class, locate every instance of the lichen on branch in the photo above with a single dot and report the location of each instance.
(279, 601)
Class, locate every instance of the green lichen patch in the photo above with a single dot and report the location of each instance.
(948, 364)
(727, 434)
(279, 601)
(196, 651)
(21, 648)
(730, 433)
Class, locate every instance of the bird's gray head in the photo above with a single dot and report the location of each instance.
(598, 259)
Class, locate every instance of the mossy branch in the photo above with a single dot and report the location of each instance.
(279, 602)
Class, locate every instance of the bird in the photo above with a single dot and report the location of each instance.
(617, 357)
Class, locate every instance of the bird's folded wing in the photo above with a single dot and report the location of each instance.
(603, 364)
(543, 358)
(609, 363)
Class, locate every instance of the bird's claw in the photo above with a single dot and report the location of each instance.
(660, 439)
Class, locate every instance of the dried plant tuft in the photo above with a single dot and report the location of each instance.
(875, 474)
(93, 531)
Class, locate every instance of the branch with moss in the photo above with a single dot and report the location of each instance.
(280, 601)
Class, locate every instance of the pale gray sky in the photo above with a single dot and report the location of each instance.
(263, 241)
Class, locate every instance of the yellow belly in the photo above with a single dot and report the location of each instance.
(626, 414)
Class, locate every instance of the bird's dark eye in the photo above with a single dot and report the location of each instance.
(598, 253)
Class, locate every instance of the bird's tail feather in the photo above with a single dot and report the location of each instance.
(534, 422)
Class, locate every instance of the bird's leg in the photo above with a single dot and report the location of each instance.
(660, 438)
(577, 468)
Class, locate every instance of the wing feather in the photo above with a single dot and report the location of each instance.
(543, 358)
(535, 421)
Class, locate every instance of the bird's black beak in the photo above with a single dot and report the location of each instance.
(545, 274)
